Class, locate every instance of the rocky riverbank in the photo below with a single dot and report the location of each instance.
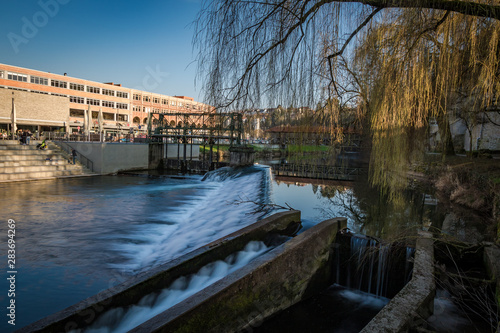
(473, 184)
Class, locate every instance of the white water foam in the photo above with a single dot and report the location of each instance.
(124, 319)
(364, 299)
(207, 216)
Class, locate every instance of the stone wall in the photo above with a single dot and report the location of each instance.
(34, 109)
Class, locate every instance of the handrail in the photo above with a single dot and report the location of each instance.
(318, 171)
(94, 137)
(83, 160)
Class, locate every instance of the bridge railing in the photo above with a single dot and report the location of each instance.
(318, 171)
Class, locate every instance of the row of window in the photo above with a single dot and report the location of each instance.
(62, 84)
(90, 89)
(138, 108)
(76, 86)
(96, 102)
(17, 77)
(77, 113)
(39, 80)
(156, 100)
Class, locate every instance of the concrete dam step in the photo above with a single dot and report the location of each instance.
(32, 157)
(26, 162)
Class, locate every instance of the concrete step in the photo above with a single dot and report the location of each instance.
(32, 162)
(26, 152)
(14, 142)
(26, 162)
(35, 157)
(32, 145)
(40, 168)
(38, 175)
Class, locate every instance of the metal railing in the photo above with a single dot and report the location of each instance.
(82, 159)
(94, 137)
(318, 171)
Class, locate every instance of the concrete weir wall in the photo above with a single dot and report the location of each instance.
(415, 302)
(84, 313)
(114, 157)
(267, 285)
(492, 262)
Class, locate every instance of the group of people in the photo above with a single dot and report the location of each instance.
(24, 136)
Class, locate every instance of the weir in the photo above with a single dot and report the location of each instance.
(267, 281)
(366, 264)
(131, 292)
(238, 281)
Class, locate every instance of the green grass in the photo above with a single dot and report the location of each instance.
(214, 148)
(306, 148)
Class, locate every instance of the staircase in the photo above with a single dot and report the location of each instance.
(20, 163)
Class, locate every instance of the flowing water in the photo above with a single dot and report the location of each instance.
(363, 263)
(77, 237)
(336, 309)
(124, 319)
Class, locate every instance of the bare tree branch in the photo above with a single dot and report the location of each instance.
(463, 7)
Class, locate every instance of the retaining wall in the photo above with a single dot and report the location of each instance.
(492, 262)
(114, 157)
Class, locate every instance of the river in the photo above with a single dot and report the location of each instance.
(77, 237)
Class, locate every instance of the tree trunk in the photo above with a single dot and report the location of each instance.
(447, 148)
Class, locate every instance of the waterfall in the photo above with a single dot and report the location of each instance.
(368, 265)
(223, 202)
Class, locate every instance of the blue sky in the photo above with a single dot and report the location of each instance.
(140, 44)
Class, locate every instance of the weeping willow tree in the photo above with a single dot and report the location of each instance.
(397, 62)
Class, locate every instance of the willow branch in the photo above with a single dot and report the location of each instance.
(336, 54)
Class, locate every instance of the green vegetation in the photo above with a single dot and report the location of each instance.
(215, 148)
(307, 148)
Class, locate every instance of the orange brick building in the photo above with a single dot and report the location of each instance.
(52, 102)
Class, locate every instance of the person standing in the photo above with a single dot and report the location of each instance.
(28, 137)
(23, 138)
(73, 153)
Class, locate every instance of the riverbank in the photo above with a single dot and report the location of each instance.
(471, 183)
